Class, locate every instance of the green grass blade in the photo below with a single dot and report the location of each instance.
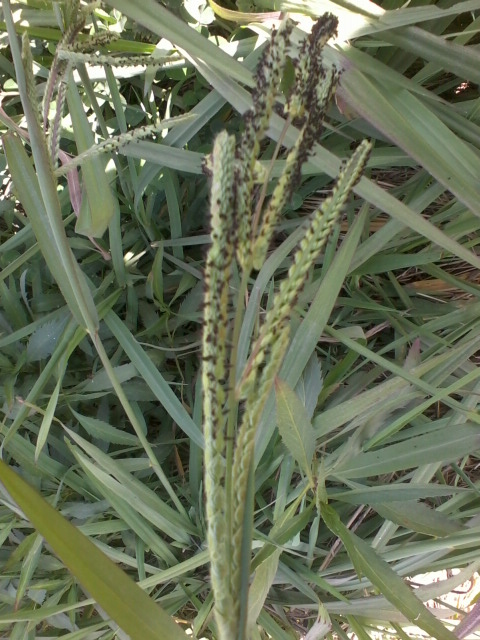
(98, 203)
(162, 22)
(447, 445)
(153, 378)
(47, 419)
(46, 221)
(308, 334)
(133, 610)
(369, 564)
(175, 523)
(463, 61)
(295, 427)
(417, 516)
(326, 162)
(40, 191)
(413, 127)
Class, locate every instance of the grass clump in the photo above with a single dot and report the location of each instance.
(270, 427)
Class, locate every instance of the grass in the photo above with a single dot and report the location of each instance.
(101, 330)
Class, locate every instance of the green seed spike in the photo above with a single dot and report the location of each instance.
(267, 84)
(315, 238)
(245, 444)
(116, 142)
(91, 43)
(307, 103)
(215, 377)
(234, 169)
(308, 66)
(76, 57)
(73, 23)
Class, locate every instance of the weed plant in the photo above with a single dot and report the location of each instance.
(264, 416)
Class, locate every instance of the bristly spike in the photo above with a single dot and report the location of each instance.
(314, 239)
(215, 376)
(232, 408)
(309, 97)
(116, 142)
(267, 84)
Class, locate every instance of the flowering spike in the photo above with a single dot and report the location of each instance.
(234, 170)
(267, 84)
(215, 375)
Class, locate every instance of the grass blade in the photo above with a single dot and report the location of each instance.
(153, 378)
(449, 444)
(369, 564)
(295, 427)
(133, 610)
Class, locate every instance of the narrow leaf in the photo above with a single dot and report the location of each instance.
(98, 204)
(162, 22)
(262, 581)
(444, 445)
(310, 385)
(417, 516)
(38, 190)
(104, 431)
(48, 228)
(390, 585)
(130, 607)
(295, 427)
(47, 419)
(418, 132)
(43, 340)
(153, 378)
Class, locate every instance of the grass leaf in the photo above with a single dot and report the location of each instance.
(447, 445)
(131, 608)
(417, 516)
(372, 566)
(295, 427)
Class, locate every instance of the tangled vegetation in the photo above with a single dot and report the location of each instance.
(233, 369)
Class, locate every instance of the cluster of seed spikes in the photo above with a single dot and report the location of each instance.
(73, 51)
(245, 230)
